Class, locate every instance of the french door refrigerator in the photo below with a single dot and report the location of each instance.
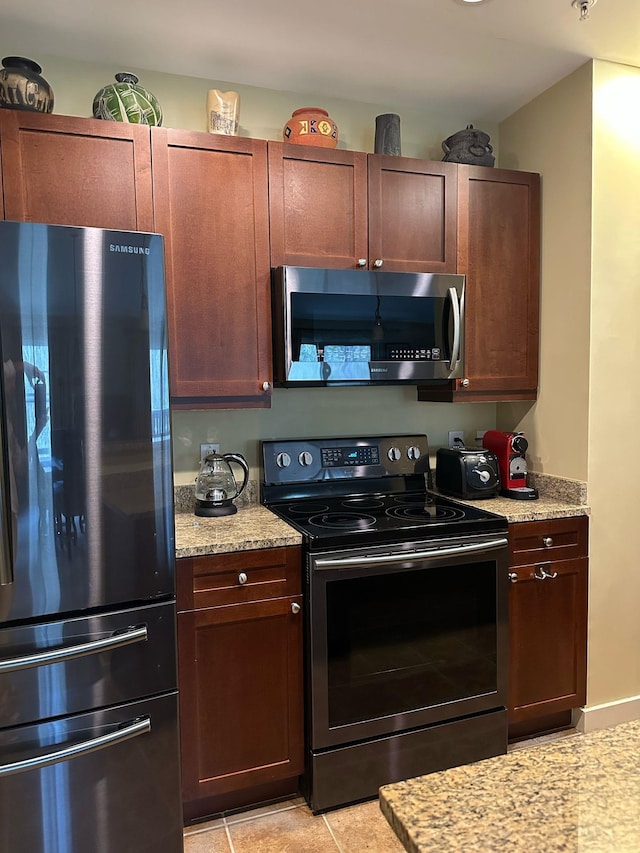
(89, 750)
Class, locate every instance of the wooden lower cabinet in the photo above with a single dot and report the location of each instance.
(547, 623)
(240, 679)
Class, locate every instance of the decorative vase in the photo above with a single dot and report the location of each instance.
(126, 101)
(223, 112)
(22, 87)
(469, 146)
(311, 126)
(387, 140)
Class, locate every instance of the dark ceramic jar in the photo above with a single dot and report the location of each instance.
(22, 87)
(469, 146)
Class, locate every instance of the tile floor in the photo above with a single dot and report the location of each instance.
(290, 827)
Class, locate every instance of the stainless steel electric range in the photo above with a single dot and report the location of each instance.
(405, 614)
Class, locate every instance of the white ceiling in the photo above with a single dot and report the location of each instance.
(482, 60)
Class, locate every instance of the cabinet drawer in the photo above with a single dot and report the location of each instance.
(544, 541)
(238, 577)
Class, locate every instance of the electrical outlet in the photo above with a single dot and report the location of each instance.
(206, 449)
(456, 438)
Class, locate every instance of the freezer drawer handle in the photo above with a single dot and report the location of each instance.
(60, 655)
(140, 726)
(410, 556)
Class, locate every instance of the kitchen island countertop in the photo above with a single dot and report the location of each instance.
(579, 794)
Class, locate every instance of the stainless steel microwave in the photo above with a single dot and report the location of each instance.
(358, 327)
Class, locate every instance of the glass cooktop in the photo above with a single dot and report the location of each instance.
(380, 518)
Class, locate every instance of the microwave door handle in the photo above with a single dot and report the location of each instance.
(455, 348)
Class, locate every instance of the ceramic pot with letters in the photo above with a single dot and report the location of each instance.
(311, 126)
(22, 87)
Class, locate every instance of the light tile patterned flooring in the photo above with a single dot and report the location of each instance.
(290, 827)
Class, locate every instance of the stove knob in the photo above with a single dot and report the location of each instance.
(413, 453)
(393, 454)
(305, 459)
(283, 460)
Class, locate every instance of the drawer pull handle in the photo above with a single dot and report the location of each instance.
(242, 578)
(544, 574)
(513, 577)
(547, 541)
(295, 607)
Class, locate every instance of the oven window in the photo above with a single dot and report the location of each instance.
(411, 640)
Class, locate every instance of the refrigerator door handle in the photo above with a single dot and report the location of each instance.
(60, 655)
(6, 556)
(125, 732)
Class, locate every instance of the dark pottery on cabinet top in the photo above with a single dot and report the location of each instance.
(469, 146)
(22, 87)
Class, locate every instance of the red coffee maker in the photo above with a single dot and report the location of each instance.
(510, 448)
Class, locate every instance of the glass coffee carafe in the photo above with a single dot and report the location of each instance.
(216, 486)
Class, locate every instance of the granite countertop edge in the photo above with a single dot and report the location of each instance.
(254, 527)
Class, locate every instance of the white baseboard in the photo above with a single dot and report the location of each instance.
(604, 716)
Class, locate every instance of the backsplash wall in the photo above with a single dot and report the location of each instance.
(300, 412)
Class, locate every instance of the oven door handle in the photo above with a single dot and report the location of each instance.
(386, 559)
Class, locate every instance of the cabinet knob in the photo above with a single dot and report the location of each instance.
(266, 386)
(242, 578)
(541, 574)
(513, 577)
(464, 383)
(295, 607)
(377, 263)
(547, 541)
(362, 262)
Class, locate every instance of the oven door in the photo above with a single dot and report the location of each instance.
(405, 636)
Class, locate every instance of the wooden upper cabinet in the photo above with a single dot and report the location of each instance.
(499, 253)
(76, 171)
(347, 209)
(317, 206)
(211, 205)
(412, 214)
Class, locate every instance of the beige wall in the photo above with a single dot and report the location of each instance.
(552, 135)
(263, 112)
(614, 662)
(294, 412)
(584, 136)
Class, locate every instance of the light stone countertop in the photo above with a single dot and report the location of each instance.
(251, 528)
(558, 498)
(579, 794)
(254, 527)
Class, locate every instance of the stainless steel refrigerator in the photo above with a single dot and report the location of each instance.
(89, 749)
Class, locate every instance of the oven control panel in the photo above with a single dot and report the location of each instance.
(320, 459)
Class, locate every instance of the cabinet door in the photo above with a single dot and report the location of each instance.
(240, 696)
(412, 214)
(317, 206)
(499, 253)
(210, 203)
(76, 171)
(548, 638)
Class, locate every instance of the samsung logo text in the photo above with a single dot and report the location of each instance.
(129, 250)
